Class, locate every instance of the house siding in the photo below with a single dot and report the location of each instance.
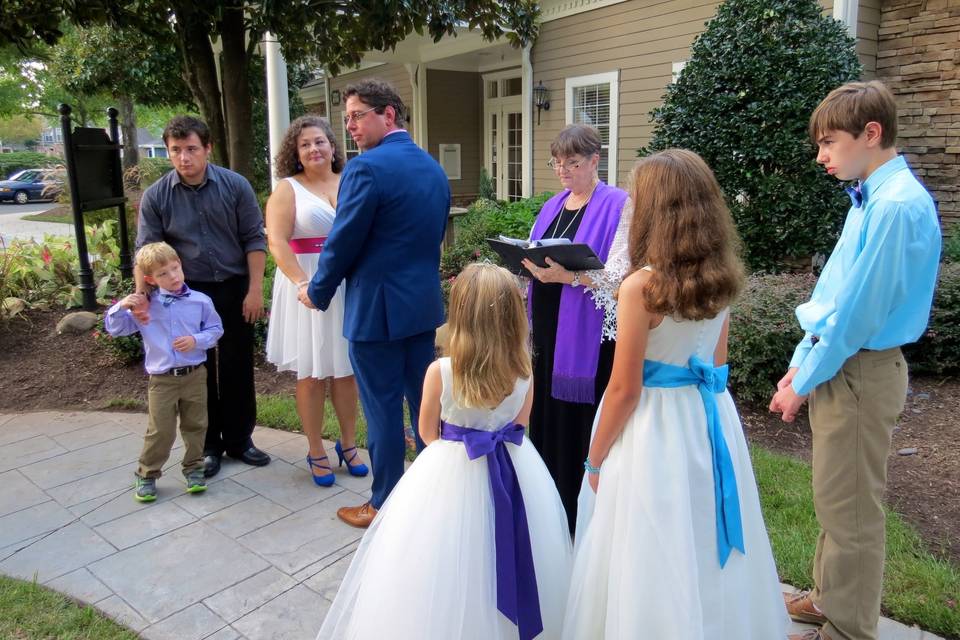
(453, 101)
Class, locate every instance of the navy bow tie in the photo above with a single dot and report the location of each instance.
(168, 298)
(856, 195)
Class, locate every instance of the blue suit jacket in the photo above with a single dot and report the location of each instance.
(392, 212)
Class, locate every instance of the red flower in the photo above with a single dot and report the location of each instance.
(46, 255)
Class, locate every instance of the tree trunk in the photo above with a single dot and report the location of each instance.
(128, 125)
(238, 104)
(200, 74)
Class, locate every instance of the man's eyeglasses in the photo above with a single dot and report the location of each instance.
(571, 165)
(356, 116)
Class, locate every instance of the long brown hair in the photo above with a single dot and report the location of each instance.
(287, 161)
(682, 228)
(488, 335)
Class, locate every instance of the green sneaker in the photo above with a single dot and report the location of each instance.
(145, 489)
(196, 483)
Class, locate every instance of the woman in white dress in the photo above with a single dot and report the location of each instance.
(299, 215)
(473, 542)
(673, 544)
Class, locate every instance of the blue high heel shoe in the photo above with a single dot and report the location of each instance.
(325, 480)
(359, 469)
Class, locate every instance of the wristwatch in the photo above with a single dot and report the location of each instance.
(576, 279)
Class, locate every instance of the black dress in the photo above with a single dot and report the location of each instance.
(561, 430)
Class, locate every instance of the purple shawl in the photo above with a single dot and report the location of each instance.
(580, 323)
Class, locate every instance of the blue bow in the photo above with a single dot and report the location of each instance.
(710, 381)
(168, 298)
(856, 195)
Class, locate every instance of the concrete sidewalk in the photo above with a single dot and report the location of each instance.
(258, 556)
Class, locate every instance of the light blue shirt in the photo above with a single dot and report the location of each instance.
(188, 315)
(876, 289)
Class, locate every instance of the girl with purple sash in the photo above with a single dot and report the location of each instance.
(573, 314)
(472, 543)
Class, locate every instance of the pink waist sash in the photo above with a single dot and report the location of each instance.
(307, 245)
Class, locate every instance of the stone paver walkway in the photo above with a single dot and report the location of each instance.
(258, 556)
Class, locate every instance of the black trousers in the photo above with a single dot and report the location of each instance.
(231, 398)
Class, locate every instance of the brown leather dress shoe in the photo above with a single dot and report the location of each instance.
(801, 608)
(809, 634)
(360, 516)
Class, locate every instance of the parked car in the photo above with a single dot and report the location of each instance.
(31, 184)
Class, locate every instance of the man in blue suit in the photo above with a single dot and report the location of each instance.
(392, 212)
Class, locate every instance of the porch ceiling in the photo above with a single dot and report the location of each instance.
(467, 51)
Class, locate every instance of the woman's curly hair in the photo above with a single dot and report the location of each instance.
(287, 161)
(682, 228)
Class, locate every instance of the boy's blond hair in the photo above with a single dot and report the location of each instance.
(154, 255)
(488, 335)
(851, 106)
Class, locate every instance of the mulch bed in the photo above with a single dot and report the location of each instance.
(42, 370)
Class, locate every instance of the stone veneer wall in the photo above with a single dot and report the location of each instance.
(918, 58)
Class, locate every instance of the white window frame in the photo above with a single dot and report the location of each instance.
(613, 79)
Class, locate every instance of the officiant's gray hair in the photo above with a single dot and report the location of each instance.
(574, 140)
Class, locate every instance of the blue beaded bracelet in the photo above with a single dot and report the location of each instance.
(589, 467)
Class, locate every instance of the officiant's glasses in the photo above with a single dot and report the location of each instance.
(571, 165)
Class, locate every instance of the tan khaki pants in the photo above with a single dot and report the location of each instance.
(167, 397)
(852, 418)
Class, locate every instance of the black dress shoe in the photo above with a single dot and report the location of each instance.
(211, 465)
(252, 456)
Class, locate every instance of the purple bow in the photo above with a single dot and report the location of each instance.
(856, 195)
(517, 596)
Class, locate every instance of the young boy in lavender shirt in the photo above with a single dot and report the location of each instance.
(183, 325)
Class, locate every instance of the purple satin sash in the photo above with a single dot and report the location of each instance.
(517, 596)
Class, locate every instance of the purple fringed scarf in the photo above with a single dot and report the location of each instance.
(580, 323)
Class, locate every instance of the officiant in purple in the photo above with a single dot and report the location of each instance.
(573, 314)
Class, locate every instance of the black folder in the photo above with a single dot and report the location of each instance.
(573, 257)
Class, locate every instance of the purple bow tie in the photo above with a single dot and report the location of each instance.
(856, 195)
(168, 298)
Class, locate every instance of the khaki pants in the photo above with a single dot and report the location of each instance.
(852, 418)
(168, 396)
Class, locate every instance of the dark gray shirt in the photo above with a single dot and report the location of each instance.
(212, 226)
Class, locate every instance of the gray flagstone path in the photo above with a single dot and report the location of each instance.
(258, 556)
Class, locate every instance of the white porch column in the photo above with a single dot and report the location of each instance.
(418, 112)
(278, 103)
(846, 12)
(526, 141)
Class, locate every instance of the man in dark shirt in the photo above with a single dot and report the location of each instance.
(211, 217)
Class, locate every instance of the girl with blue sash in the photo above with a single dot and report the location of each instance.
(670, 539)
(473, 542)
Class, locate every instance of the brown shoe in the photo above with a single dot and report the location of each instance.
(801, 608)
(360, 516)
(809, 634)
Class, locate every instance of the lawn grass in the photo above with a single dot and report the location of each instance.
(31, 612)
(918, 587)
(50, 216)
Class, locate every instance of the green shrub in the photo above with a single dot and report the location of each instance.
(126, 349)
(951, 246)
(764, 332)
(146, 172)
(488, 219)
(45, 273)
(11, 162)
(938, 351)
(261, 325)
(743, 102)
(486, 188)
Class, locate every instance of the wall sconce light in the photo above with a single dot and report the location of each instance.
(540, 99)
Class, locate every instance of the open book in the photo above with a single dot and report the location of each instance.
(573, 257)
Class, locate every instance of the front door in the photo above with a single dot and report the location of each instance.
(503, 133)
